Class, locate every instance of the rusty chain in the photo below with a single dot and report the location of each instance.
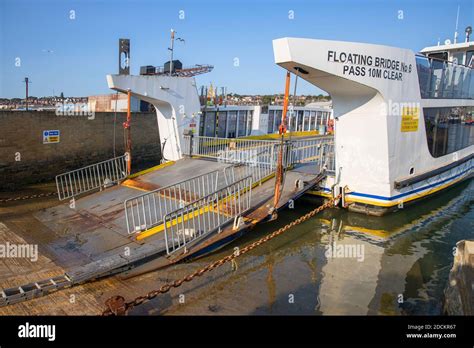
(116, 305)
(22, 198)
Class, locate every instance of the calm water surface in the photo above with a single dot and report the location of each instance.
(398, 264)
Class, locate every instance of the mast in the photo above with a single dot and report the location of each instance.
(456, 31)
(171, 51)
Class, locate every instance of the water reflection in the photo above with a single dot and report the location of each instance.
(346, 263)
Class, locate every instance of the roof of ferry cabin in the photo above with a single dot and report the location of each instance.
(457, 46)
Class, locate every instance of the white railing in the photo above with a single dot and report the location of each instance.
(147, 210)
(259, 167)
(207, 214)
(226, 149)
(92, 177)
(328, 158)
(261, 155)
(308, 150)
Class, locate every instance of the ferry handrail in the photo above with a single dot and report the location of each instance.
(205, 146)
(207, 214)
(149, 208)
(302, 150)
(91, 177)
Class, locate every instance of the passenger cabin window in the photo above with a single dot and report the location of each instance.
(441, 79)
(470, 59)
(271, 117)
(249, 122)
(231, 124)
(448, 129)
(439, 55)
(277, 124)
(242, 123)
(221, 124)
(458, 58)
(210, 124)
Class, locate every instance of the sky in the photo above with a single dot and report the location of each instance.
(70, 46)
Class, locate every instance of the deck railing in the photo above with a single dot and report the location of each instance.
(308, 150)
(328, 158)
(92, 177)
(147, 210)
(225, 149)
(260, 156)
(207, 214)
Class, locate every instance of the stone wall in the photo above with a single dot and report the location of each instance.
(84, 140)
(459, 292)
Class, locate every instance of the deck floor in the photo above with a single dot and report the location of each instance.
(95, 229)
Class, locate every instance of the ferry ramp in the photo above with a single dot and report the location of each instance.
(111, 222)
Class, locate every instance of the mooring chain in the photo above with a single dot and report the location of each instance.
(22, 198)
(116, 305)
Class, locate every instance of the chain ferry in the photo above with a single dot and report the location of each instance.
(403, 120)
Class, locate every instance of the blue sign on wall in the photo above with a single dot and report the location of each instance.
(51, 136)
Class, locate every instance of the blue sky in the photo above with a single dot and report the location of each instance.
(84, 49)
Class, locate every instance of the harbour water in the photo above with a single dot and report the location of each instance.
(403, 268)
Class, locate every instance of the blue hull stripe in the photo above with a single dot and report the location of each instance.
(383, 198)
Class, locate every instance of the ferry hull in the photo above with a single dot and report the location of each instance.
(379, 206)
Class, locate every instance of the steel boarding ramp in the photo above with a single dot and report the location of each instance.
(119, 263)
(89, 178)
(107, 266)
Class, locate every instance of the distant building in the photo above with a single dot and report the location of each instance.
(116, 102)
(234, 121)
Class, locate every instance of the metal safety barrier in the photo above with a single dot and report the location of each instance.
(328, 159)
(261, 154)
(147, 210)
(225, 149)
(92, 177)
(207, 214)
(308, 150)
(259, 167)
(256, 158)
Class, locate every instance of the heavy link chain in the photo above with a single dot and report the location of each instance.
(22, 198)
(116, 305)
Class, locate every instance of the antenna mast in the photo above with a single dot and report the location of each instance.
(456, 31)
(171, 51)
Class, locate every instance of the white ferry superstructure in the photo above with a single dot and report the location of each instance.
(403, 121)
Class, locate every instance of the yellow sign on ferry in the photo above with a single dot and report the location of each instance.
(410, 117)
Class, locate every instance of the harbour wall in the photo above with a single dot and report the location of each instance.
(459, 292)
(83, 140)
